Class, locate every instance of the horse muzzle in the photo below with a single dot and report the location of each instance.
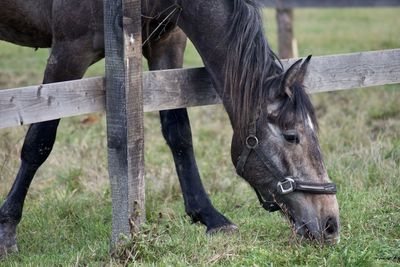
(323, 227)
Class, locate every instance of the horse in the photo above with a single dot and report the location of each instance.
(274, 146)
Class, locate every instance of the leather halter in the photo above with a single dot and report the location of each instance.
(285, 184)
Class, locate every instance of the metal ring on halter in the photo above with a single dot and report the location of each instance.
(251, 141)
(286, 186)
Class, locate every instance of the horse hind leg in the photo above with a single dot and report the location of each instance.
(166, 54)
(67, 62)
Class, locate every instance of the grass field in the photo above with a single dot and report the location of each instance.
(67, 217)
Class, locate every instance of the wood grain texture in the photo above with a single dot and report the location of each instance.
(32, 104)
(170, 89)
(350, 71)
(134, 103)
(328, 3)
(124, 105)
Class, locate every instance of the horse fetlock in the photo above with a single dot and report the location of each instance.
(212, 219)
(8, 242)
(10, 213)
(194, 216)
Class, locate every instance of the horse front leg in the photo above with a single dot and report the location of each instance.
(167, 54)
(37, 146)
(65, 63)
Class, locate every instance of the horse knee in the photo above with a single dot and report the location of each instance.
(39, 142)
(176, 129)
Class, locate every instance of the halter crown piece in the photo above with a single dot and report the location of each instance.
(285, 184)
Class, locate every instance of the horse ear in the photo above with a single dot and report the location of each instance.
(303, 70)
(295, 74)
(290, 78)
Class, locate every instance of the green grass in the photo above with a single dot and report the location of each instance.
(67, 217)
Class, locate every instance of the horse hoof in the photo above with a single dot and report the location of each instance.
(8, 242)
(4, 251)
(228, 228)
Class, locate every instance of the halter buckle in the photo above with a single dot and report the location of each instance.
(286, 186)
(251, 141)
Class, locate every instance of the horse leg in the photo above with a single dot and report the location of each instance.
(37, 146)
(166, 54)
(66, 62)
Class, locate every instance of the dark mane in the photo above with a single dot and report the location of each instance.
(250, 61)
(251, 68)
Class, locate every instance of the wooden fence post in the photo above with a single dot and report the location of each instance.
(124, 106)
(286, 42)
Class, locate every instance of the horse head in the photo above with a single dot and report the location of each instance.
(278, 153)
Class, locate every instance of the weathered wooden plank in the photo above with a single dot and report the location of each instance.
(328, 3)
(178, 88)
(124, 104)
(169, 89)
(349, 71)
(182, 88)
(50, 101)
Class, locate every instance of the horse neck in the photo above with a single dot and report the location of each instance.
(215, 31)
(210, 17)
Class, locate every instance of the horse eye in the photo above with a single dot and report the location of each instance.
(291, 136)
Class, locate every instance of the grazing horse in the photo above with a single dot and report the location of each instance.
(274, 145)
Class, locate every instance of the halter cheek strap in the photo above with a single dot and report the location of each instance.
(285, 184)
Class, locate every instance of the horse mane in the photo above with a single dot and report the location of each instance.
(252, 69)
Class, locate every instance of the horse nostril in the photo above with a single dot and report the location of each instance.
(331, 227)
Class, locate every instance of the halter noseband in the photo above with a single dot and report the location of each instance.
(285, 184)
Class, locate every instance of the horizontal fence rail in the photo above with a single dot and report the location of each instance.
(328, 3)
(170, 89)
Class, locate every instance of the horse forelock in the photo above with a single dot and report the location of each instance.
(297, 107)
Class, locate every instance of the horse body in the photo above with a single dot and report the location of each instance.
(26, 23)
(254, 89)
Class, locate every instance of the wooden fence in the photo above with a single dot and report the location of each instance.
(125, 100)
(167, 89)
